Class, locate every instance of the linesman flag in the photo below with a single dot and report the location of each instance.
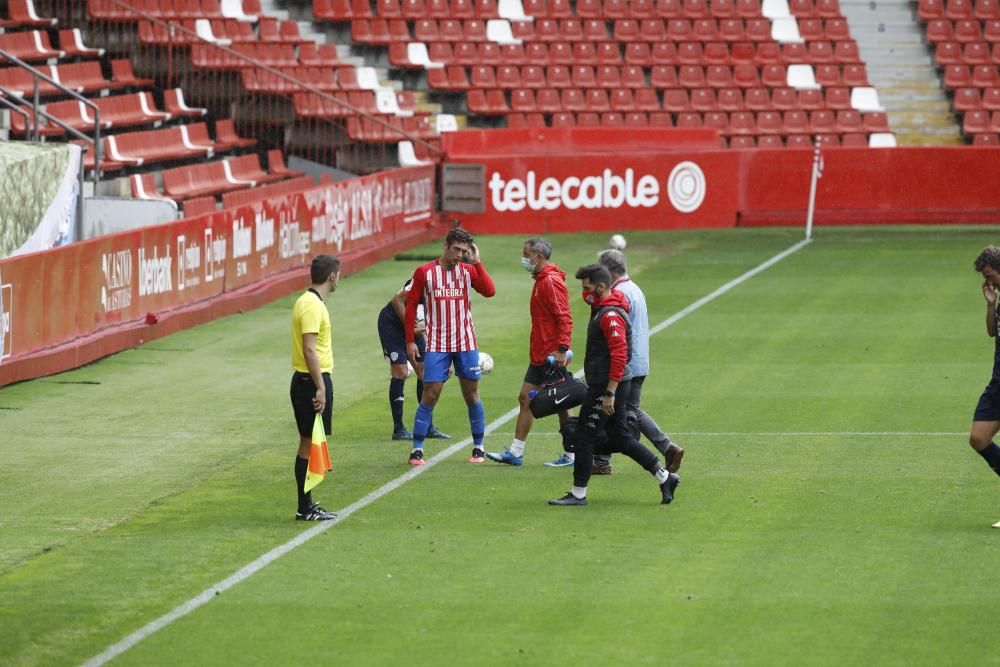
(319, 456)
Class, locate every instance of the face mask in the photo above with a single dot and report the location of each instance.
(527, 265)
(589, 296)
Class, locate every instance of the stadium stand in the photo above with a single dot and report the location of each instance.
(965, 39)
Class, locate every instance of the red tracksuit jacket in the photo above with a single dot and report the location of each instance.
(551, 320)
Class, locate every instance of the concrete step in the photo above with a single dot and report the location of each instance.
(899, 15)
(921, 140)
(889, 60)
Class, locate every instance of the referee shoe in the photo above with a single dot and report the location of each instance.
(434, 434)
(315, 513)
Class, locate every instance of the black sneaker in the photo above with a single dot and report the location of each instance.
(435, 434)
(568, 499)
(402, 435)
(315, 513)
(672, 457)
(668, 488)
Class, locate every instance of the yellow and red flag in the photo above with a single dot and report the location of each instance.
(319, 456)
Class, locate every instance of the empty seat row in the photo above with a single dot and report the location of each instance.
(83, 77)
(115, 112)
(308, 105)
(765, 130)
(971, 53)
(391, 128)
(964, 31)
(574, 99)
(495, 102)
(976, 76)
(22, 14)
(308, 53)
(195, 30)
(134, 149)
(956, 10)
(635, 53)
(457, 77)
(387, 31)
(970, 99)
(35, 45)
(344, 77)
(243, 10)
(205, 179)
(347, 10)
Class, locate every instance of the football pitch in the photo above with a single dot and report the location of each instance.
(831, 511)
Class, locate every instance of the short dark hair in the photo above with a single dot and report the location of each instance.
(614, 261)
(595, 273)
(321, 268)
(541, 246)
(458, 235)
(990, 256)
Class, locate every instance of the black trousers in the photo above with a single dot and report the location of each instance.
(604, 434)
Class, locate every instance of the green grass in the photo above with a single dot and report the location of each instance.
(804, 532)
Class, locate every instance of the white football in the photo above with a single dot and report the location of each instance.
(485, 363)
(617, 242)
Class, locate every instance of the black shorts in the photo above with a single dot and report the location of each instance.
(302, 391)
(988, 409)
(393, 338)
(539, 375)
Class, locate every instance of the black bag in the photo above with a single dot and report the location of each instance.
(563, 393)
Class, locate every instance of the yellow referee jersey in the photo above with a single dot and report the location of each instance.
(309, 315)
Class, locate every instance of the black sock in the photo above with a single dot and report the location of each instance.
(301, 466)
(992, 456)
(396, 400)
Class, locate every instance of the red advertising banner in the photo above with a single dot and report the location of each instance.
(543, 181)
(57, 296)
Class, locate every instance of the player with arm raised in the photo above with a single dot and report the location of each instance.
(986, 420)
(444, 288)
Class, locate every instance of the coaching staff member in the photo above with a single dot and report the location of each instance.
(312, 362)
(608, 385)
(551, 330)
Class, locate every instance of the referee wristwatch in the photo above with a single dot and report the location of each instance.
(609, 394)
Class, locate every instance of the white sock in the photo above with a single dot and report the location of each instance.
(579, 491)
(517, 447)
(661, 475)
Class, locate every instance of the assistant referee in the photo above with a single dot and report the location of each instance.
(312, 362)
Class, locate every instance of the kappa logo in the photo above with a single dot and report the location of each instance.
(6, 320)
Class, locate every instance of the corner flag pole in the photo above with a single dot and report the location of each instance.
(817, 173)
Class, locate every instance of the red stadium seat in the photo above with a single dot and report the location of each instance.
(757, 99)
(676, 100)
(664, 76)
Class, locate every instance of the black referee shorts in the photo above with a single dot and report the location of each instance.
(302, 391)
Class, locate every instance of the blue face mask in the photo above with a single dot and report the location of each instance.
(527, 265)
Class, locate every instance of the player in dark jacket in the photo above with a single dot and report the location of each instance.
(604, 409)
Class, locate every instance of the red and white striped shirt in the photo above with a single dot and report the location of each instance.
(447, 306)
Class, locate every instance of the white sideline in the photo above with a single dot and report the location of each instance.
(255, 566)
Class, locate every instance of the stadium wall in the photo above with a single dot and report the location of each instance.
(568, 179)
(68, 306)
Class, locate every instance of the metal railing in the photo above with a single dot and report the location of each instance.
(32, 110)
(270, 115)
